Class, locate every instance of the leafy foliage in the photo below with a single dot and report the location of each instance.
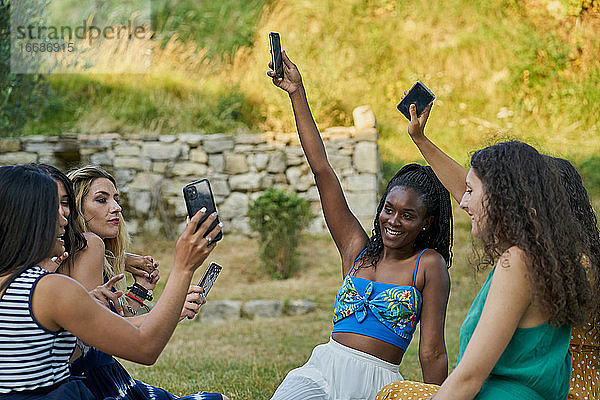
(590, 174)
(278, 218)
(22, 96)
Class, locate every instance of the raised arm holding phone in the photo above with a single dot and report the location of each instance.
(406, 257)
(514, 341)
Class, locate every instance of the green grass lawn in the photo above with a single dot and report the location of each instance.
(247, 359)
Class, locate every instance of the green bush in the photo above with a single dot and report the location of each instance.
(590, 174)
(22, 96)
(278, 218)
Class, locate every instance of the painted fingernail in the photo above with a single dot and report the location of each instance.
(214, 214)
(203, 209)
(221, 224)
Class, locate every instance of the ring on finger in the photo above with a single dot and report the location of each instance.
(208, 238)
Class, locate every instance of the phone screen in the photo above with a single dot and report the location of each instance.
(209, 277)
(276, 54)
(197, 195)
(420, 95)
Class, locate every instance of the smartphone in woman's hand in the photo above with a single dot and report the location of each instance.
(209, 277)
(197, 195)
(276, 54)
(419, 95)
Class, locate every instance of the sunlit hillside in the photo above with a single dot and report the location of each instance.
(499, 69)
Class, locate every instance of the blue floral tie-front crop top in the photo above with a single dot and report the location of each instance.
(381, 310)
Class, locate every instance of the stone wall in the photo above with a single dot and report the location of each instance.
(152, 170)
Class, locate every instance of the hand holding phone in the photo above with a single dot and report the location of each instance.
(198, 195)
(275, 43)
(419, 95)
(209, 278)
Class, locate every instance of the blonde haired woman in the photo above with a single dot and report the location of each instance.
(104, 258)
(99, 217)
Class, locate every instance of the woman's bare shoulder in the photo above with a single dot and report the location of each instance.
(432, 261)
(94, 239)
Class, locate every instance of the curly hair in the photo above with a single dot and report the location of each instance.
(583, 212)
(526, 205)
(435, 197)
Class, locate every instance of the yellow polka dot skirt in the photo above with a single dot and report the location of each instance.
(407, 390)
(585, 367)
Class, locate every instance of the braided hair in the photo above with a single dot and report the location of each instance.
(435, 197)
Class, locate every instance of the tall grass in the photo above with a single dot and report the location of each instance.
(221, 27)
(477, 56)
(499, 69)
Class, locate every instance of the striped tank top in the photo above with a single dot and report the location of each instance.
(31, 356)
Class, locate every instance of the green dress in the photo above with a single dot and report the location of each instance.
(536, 364)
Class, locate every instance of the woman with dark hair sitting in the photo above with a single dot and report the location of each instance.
(42, 312)
(514, 342)
(391, 280)
(585, 339)
(105, 376)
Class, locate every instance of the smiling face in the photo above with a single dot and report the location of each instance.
(472, 202)
(402, 218)
(63, 200)
(61, 223)
(101, 209)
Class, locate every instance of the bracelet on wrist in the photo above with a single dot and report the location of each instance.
(132, 297)
(140, 292)
(143, 309)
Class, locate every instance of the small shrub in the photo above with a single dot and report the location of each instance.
(278, 218)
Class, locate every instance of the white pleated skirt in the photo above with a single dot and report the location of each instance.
(337, 372)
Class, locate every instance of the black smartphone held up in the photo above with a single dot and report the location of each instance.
(209, 277)
(420, 95)
(197, 195)
(276, 54)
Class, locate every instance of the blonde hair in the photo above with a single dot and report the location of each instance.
(114, 253)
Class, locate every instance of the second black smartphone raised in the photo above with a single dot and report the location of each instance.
(197, 195)
(276, 59)
(420, 95)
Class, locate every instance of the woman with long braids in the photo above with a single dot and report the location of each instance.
(392, 279)
(514, 342)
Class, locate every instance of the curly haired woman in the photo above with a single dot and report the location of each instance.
(514, 342)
